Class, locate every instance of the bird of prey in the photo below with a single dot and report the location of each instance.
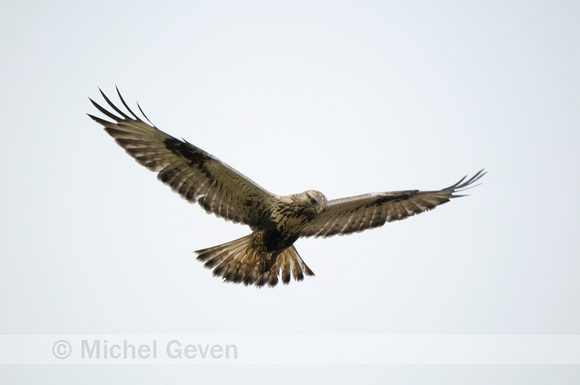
(276, 221)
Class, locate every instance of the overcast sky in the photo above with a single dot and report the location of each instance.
(342, 97)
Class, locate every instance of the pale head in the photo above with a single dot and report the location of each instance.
(313, 199)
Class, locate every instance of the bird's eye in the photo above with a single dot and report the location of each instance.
(313, 201)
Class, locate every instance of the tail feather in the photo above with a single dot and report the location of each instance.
(286, 262)
(239, 262)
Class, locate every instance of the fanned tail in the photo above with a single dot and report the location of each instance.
(239, 262)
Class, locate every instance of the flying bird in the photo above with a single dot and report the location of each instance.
(276, 221)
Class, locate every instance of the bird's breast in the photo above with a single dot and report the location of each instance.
(281, 228)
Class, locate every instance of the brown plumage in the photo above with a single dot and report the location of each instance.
(276, 221)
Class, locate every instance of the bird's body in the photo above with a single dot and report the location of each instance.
(276, 221)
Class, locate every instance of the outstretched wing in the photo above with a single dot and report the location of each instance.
(191, 172)
(358, 213)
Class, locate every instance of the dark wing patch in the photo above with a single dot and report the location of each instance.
(191, 172)
(354, 214)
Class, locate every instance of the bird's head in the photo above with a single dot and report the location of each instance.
(313, 200)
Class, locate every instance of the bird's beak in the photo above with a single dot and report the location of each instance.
(320, 209)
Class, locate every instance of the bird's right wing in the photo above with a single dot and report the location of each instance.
(361, 212)
(191, 172)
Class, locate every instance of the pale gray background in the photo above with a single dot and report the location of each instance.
(343, 97)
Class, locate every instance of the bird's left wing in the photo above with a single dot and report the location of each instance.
(361, 212)
(191, 172)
